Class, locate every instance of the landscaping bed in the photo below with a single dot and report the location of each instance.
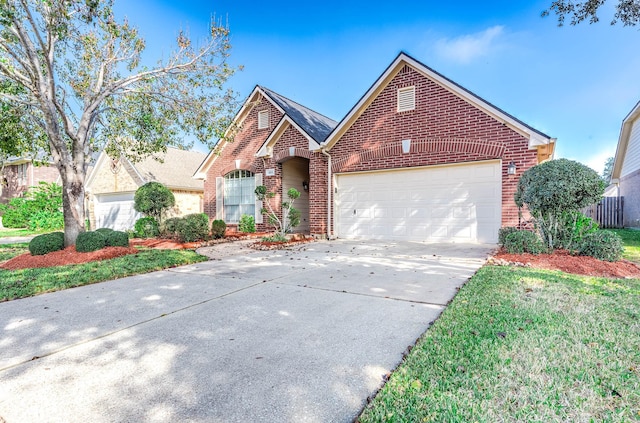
(63, 257)
(566, 262)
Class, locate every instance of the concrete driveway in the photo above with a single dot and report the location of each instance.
(302, 335)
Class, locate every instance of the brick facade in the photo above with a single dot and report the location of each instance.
(443, 128)
(244, 146)
(14, 181)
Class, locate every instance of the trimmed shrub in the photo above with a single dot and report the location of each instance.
(603, 245)
(170, 227)
(519, 242)
(504, 232)
(146, 227)
(153, 199)
(46, 243)
(116, 238)
(16, 213)
(90, 241)
(104, 231)
(247, 224)
(193, 227)
(218, 228)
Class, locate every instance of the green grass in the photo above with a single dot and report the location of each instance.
(7, 232)
(25, 283)
(523, 345)
(8, 251)
(631, 240)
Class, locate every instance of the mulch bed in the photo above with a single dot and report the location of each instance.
(564, 261)
(63, 257)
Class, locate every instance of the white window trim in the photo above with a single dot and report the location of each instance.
(263, 119)
(406, 98)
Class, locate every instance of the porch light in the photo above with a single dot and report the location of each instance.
(511, 169)
(305, 185)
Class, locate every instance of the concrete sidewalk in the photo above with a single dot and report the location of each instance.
(293, 336)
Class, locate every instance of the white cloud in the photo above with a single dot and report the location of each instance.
(466, 48)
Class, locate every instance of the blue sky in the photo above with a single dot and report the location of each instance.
(575, 83)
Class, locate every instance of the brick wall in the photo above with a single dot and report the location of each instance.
(246, 143)
(443, 129)
(11, 185)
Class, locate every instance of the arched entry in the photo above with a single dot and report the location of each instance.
(295, 174)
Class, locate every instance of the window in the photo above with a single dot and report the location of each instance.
(263, 119)
(239, 195)
(22, 174)
(406, 99)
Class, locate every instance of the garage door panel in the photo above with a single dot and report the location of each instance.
(455, 203)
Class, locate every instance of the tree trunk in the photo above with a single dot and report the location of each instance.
(72, 203)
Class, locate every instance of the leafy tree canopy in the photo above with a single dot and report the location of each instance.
(71, 74)
(626, 11)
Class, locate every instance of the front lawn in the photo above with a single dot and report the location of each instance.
(8, 232)
(523, 345)
(631, 240)
(27, 282)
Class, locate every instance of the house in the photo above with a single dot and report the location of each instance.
(111, 186)
(625, 176)
(20, 173)
(417, 158)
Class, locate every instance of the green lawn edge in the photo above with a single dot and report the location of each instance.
(523, 345)
(15, 284)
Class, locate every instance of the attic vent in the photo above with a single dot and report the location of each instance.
(406, 99)
(263, 119)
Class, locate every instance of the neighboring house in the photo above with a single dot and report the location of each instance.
(626, 168)
(417, 158)
(20, 173)
(111, 186)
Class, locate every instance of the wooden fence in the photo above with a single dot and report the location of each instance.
(608, 212)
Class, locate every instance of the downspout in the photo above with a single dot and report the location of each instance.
(329, 178)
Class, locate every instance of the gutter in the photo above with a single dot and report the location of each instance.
(329, 178)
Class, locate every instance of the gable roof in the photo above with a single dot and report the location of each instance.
(623, 141)
(313, 125)
(536, 138)
(174, 170)
(317, 126)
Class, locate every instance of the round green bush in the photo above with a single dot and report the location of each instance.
(218, 228)
(194, 227)
(147, 227)
(153, 199)
(104, 231)
(170, 227)
(504, 232)
(603, 245)
(116, 238)
(247, 224)
(90, 241)
(519, 242)
(46, 243)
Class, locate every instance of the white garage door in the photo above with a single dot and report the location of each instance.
(115, 211)
(460, 203)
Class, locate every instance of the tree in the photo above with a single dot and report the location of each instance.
(555, 188)
(77, 80)
(153, 199)
(627, 11)
(290, 217)
(608, 170)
